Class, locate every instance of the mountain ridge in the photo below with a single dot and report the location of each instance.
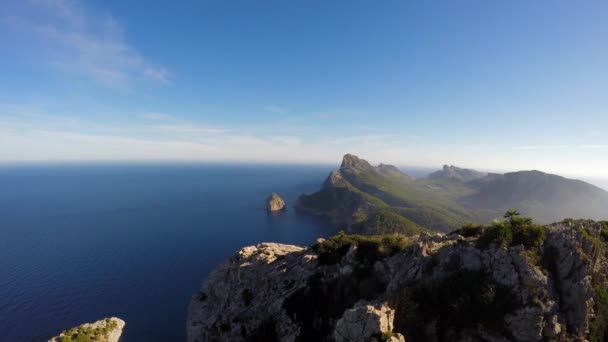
(448, 198)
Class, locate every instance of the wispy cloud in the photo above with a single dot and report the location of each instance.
(83, 43)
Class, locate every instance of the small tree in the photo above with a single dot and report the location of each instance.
(510, 214)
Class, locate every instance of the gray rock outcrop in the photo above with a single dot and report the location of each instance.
(366, 321)
(275, 292)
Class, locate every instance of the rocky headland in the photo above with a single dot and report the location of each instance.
(509, 281)
(105, 330)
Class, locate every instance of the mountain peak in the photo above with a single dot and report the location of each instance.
(351, 163)
(453, 172)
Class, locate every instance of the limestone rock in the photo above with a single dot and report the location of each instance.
(105, 330)
(274, 202)
(365, 321)
(244, 296)
(287, 293)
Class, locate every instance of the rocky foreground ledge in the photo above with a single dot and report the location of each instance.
(499, 283)
(105, 330)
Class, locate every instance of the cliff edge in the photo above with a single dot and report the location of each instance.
(511, 281)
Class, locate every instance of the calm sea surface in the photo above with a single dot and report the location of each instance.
(79, 243)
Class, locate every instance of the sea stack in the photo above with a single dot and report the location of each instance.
(105, 330)
(275, 202)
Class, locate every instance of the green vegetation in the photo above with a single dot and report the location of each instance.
(598, 330)
(387, 222)
(385, 336)
(498, 233)
(84, 333)
(369, 248)
(604, 230)
(444, 203)
(428, 203)
(328, 293)
(460, 302)
(515, 230)
(470, 230)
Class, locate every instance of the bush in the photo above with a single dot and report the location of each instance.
(515, 231)
(604, 230)
(470, 230)
(598, 330)
(460, 302)
(370, 248)
(499, 233)
(530, 236)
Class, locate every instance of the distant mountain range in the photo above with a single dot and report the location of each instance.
(382, 199)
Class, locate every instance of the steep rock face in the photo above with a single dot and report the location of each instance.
(274, 202)
(243, 298)
(364, 322)
(436, 288)
(105, 330)
(355, 165)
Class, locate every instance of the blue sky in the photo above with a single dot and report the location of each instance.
(493, 85)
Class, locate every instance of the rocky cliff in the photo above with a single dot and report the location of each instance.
(105, 330)
(512, 281)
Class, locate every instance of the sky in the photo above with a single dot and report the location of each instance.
(494, 85)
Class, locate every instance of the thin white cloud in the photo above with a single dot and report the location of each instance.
(80, 42)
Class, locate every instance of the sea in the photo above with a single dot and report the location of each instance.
(82, 242)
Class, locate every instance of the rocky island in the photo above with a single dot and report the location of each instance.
(512, 280)
(105, 330)
(274, 202)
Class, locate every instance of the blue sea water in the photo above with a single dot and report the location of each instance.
(83, 242)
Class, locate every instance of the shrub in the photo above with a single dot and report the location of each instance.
(598, 330)
(499, 233)
(370, 248)
(604, 230)
(515, 231)
(529, 235)
(460, 302)
(470, 230)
